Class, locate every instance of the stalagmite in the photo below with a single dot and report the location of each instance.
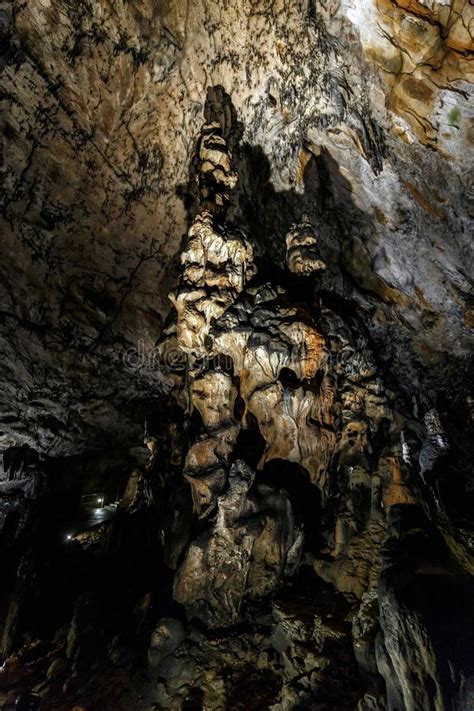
(272, 541)
(312, 390)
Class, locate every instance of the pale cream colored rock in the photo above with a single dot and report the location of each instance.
(216, 265)
(369, 81)
(311, 397)
(215, 156)
(206, 465)
(214, 395)
(302, 254)
(291, 424)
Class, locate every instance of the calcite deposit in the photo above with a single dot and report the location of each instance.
(356, 114)
(302, 253)
(276, 378)
(236, 457)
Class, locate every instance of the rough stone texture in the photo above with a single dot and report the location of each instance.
(213, 395)
(355, 111)
(418, 576)
(315, 399)
(302, 253)
(299, 643)
(307, 386)
(309, 380)
(243, 554)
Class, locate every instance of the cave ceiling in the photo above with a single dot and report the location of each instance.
(357, 115)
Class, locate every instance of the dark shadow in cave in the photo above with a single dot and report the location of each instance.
(194, 701)
(289, 379)
(344, 229)
(250, 444)
(305, 498)
(255, 204)
(264, 212)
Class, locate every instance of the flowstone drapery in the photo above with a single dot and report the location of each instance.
(298, 459)
(287, 545)
(257, 362)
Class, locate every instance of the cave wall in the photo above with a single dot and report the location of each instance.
(357, 112)
(333, 496)
(295, 537)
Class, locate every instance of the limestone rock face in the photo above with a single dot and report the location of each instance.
(166, 637)
(281, 367)
(216, 175)
(302, 254)
(359, 113)
(216, 265)
(213, 396)
(414, 653)
(297, 177)
(272, 361)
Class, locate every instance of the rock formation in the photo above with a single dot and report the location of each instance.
(358, 117)
(294, 531)
(302, 254)
(304, 381)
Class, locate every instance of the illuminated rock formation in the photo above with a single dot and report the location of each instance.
(264, 361)
(215, 267)
(309, 388)
(300, 495)
(207, 461)
(302, 254)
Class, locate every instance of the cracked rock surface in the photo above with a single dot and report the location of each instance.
(244, 228)
(357, 112)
